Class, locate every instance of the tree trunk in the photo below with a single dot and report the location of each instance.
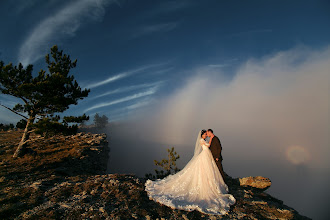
(26, 135)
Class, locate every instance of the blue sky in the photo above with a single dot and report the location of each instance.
(131, 53)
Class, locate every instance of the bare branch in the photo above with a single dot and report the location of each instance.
(35, 139)
(13, 111)
(32, 131)
(24, 100)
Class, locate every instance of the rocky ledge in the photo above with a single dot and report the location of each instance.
(63, 178)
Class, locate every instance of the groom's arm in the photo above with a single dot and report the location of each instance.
(210, 141)
(218, 147)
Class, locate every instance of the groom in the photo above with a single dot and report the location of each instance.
(216, 149)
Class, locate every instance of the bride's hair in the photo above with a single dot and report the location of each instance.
(203, 132)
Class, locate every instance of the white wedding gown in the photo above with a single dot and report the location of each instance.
(199, 186)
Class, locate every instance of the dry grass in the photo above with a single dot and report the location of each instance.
(46, 162)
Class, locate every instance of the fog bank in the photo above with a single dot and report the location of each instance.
(270, 106)
(272, 117)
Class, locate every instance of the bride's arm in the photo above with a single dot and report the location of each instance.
(205, 143)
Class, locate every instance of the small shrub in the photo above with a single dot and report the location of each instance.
(168, 166)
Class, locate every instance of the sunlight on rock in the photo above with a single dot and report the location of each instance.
(297, 155)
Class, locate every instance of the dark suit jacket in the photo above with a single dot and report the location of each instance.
(216, 148)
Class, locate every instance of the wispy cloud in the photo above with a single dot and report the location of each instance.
(121, 75)
(155, 28)
(161, 71)
(125, 111)
(139, 104)
(112, 79)
(22, 5)
(161, 8)
(125, 99)
(62, 24)
(128, 88)
(223, 64)
(120, 116)
(160, 27)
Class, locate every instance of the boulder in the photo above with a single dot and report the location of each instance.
(258, 182)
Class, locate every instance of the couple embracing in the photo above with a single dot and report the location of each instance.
(200, 185)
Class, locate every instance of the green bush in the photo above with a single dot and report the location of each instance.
(168, 166)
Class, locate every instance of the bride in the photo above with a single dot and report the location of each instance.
(199, 186)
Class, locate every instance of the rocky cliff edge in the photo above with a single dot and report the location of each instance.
(63, 177)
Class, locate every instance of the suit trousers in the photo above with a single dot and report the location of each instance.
(219, 164)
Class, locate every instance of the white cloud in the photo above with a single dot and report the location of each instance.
(127, 89)
(139, 104)
(110, 79)
(223, 64)
(121, 76)
(130, 111)
(62, 24)
(125, 99)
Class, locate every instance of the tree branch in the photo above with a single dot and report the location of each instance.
(13, 111)
(32, 131)
(24, 100)
(35, 139)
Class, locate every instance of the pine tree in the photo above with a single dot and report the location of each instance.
(168, 165)
(43, 95)
(21, 124)
(6, 127)
(100, 122)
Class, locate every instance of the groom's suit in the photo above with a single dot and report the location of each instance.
(216, 149)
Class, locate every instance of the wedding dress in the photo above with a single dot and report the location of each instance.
(199, 186)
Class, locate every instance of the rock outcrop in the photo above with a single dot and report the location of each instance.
(258, 182)
(64, 178)
(118, 196)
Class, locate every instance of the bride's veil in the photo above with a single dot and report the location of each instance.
(198, 149)
(198, 146)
